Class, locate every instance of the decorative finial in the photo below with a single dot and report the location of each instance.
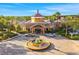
(37, 11)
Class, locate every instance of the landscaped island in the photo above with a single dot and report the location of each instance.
(38, 44)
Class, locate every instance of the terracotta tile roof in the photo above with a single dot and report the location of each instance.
(38, 15)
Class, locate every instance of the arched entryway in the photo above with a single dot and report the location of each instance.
(38, 29)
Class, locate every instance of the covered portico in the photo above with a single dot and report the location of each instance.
(38, 29)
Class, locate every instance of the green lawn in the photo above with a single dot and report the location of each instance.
(75, 37)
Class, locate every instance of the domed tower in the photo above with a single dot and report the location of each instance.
(37, 17)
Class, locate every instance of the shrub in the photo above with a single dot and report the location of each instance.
(1, 38)
(75, 37)
(6, 35)
(60, 32)
(23, 32)
(10, 34)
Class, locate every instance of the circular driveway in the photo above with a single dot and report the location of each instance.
(60, 46)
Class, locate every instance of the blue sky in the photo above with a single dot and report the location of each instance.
(29, 9)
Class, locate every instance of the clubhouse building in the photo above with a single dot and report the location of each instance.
(38, 24)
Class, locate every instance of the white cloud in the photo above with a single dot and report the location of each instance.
(65, 9)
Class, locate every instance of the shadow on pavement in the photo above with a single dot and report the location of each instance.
(11, 49)
(52, 47)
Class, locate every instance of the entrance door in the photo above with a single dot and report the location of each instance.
(38, 31)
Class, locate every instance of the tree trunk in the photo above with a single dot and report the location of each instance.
(71, 35)
(66, 31)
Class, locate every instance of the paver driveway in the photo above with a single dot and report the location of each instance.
(59, 46)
